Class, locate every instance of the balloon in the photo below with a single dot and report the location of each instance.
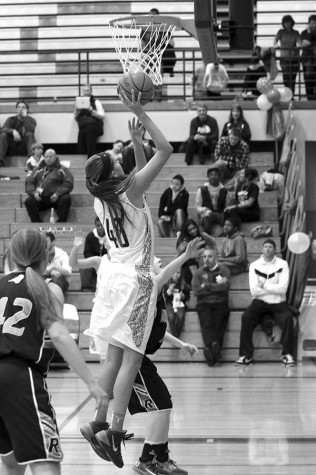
(273, 96)
(286, 94)
(298, 243)
(264, 85)
(263, 103)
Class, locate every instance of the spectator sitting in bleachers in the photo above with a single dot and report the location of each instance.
(173, 208)
(35, 159)
(189, 232)
(95, 245)
(176, 293)
(49, 187)
(233, 254)
(268, 282)
(231, 154)
(246, 204)
(17, 133)
(116, 150)
(255, 71)
(90, 122)
(203, 136)
(58, 268)
(210, 285)
(210, 203)
(236, 119)
(128, 154)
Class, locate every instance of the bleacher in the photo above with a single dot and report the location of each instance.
(14, 216)
(49, 48)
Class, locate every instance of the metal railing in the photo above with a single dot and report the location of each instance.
(43, 78)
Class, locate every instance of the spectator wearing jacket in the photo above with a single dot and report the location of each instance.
(173, 208)
(203, 136)
(90, 123)
(176, 293)
(268, 282)
(231, 154)
(17, 133)
(95, 245)
(211, 201)
(233, 254)
(49, 187)
(210, 285)
(236, 119)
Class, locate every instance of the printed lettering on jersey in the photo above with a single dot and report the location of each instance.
(17, 279)
(204, 129)
(9, 325)
(144, 398)
(121, 240)
(51, 435)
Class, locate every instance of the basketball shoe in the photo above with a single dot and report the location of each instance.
(146, 468)
(110, 442)
(170, 468)
(89, 433)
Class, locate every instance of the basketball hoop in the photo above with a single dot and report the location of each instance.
(140, 42)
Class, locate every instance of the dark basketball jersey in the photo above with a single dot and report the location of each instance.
(159, 327)
(20, 331)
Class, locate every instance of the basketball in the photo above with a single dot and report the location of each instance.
(140, 82)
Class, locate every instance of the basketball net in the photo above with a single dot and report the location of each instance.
(216, 77)
(141, 43)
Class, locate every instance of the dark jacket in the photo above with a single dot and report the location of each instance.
(168, 207)
(92, 246)
(56, 179)
(22, 124)
(208, 128)
(207, 201)
(242, 125)
(211, 292)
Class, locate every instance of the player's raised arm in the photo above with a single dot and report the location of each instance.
(147, 174)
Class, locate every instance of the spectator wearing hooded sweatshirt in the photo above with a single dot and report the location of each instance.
(234, 248)
(49, 187)
(173, 208)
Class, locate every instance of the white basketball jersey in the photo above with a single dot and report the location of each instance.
(134, 245)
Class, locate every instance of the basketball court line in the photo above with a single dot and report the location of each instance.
(74, 413)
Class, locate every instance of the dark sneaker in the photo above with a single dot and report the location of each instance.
(89, 434)
(288, 360)
(170, 468)
(110, 441)
(210, 360)
(145, 468)
(215, 348)
(243, 360)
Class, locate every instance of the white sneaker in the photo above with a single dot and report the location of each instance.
(288, 360)
(243, 360)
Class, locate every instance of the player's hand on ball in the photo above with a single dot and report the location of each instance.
(134, 105)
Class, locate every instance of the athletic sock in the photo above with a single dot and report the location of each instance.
(162, 452)
(117, 420)
(148, 453)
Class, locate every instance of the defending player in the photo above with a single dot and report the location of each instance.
(30, 308)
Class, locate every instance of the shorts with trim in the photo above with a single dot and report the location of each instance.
(27, 419)
(149, 392)
(124, 306)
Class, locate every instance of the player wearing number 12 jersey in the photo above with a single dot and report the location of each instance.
(30, 308)
(125, 303)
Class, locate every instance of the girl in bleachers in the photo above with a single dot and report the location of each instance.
(236, 120)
